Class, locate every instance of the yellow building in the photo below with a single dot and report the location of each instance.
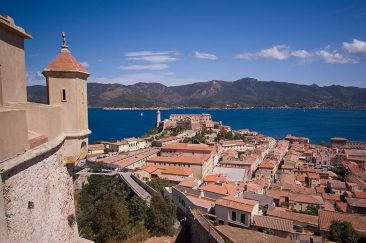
(38, 142)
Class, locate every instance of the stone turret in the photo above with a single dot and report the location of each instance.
(67, 87)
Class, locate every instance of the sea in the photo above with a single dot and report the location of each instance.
(316, 124)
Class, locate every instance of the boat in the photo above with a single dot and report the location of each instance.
(142, 114)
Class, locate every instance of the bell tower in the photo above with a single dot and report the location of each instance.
(67, 88)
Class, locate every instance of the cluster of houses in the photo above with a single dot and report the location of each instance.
(290, 188)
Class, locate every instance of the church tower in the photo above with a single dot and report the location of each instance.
(158, 118)
(67, 88)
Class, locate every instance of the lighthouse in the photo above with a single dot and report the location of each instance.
(158, 118)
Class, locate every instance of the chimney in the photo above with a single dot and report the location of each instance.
(202, 194)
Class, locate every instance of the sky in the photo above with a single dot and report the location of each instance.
(181, 42)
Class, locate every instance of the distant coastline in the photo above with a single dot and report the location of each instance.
(240, 94)
(228, 108)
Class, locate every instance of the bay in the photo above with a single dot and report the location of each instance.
(316, 124)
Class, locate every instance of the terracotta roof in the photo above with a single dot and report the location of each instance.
(306, 198)
(328, 206)
(277, 193)
(300, 178)
(326, 217)
(223, 189)
(342, 206)
(331, 197)
(298, 217)
(201, 202)
(93, 147)
(172, 170)
(302, 189)
(313, 176)
(273, 223)
(360, 194)
(215, 178)
(123, 160)
(252, 186)
(267, 165)
(181, 159)
(187, 147)
(189, 182)
(287, 166)
(339, 139)
(150, 168)
(64, 61)
(167, 139)
(241, 204)
(336, 184)
(320, 189)
(356, 202)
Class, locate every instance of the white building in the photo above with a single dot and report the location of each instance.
(126, 145)
(236, 211)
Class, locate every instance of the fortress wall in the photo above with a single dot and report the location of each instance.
(13, 133)
(39, 199)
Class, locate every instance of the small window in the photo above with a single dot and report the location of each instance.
(63, 95)
(233, 216)
(242, 218)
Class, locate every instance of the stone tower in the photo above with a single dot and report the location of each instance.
(158, 118)
(67, 88)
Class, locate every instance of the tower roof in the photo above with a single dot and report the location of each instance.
(65, 62)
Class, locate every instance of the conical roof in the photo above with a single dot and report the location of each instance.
(65, 62)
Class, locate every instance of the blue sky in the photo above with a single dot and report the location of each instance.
(179, 42)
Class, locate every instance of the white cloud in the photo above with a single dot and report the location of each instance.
(203, 55)
(85, 64)
(149, 53)
(277, 52)
(153, 56)
(154, 59)
(34, 78)
(333, 57)
(357, 46)
(158, 66)
(301, 54)
(246, 56)
(127, 79)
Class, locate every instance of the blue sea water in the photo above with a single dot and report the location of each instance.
(317, 124)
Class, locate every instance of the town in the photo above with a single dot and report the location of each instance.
(187, 179)
(240, 182)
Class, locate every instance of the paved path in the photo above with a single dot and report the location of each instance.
(126, 177)
(139, 191)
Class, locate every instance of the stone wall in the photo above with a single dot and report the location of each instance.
(39, 199)
(201, 230)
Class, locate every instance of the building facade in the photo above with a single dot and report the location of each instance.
(38, 143)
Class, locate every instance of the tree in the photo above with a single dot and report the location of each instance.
(322, 143)
(137, 208)
(312, 210)
(107, 150)
(101, 203)
(158, 184)
(111, 220)
(97, 167)
(160, 216)
(342, 231)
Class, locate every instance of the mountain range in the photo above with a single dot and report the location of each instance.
(246, 92)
